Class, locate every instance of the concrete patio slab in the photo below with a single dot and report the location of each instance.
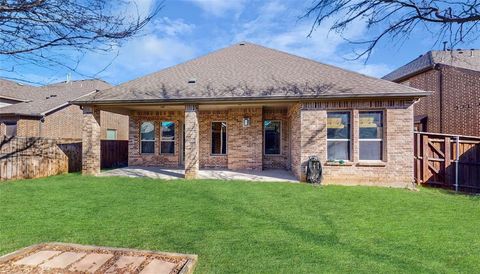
(63, 260)
(126, 264)
(91, 262)
(72, 258)
(269, 175)
(158, 267)
(37, 258)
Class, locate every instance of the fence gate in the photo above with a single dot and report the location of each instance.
(451, 161)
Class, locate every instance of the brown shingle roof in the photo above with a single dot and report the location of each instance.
(468, 59)
(16, 91)
(50, 97)
(245, 71)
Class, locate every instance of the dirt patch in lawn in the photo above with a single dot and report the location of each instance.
(73, 258)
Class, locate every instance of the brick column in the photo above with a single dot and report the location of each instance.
(192, 146)
(91, 141)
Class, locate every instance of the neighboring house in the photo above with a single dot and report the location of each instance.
(454, 77)
(45, 111)
(247, 107)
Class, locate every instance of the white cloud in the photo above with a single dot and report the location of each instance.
(220, 7)
(173, 27)
(161, 47)
(276, 26)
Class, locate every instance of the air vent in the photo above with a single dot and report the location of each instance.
(192, 81)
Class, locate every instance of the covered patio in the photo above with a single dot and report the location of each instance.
(269, 175)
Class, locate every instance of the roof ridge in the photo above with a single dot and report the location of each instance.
(324, 64)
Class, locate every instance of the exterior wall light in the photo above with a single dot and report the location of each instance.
(246, 121)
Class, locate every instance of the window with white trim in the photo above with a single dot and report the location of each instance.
(338, 136)
(219, 138)
(147, 137)
(371, 135)
(272, 137)
(167, 142)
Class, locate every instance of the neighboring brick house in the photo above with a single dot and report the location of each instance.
(247, 107)
(45, 111)
(454, 78)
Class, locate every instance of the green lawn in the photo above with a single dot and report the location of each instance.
(250, 227)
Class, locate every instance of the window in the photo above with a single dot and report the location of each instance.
(338, 136)
(272, 137)
(11, 128)
(147, 137)
(371, 135)
(111, 134)
(167, 144)
(219, 138)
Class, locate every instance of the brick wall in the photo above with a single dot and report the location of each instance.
(429, 105)
(458, 112)
(116, 121)
(91, 141)
(395, 170)
(461, 101)
(135, 158)
(294, 117)
(65, 123)
(245, 143)
(28, 128)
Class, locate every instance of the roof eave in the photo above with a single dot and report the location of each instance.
(240, 99)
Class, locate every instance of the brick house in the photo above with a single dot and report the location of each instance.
(454, 78)
(247, 107)
(29, 111)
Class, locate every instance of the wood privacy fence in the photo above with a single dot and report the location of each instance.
(449, 161)
(114, 153)
(34, 157)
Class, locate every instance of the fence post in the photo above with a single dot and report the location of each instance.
(447, 161)
(457, 158)
(425, 158)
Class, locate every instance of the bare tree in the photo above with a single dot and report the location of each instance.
(49, 33)
(455, 22)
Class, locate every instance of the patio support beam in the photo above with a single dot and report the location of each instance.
(192, 146)
(91, 141)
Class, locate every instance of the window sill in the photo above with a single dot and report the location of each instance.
(372, 163)
(339, 164)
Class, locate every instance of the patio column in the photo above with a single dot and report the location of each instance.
(91, 141)
(192, 153)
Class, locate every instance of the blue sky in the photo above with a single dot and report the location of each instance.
(186, 29)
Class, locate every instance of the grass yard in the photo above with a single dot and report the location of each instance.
(245, 227)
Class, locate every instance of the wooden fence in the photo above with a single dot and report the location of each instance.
(449, 161)
(114, 153)
(34, 157)
(23, 158)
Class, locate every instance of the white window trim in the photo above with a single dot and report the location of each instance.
(264, 136)
(221, 139)
(171, 141)
(141, 140)
(351, 126)
(382, 140)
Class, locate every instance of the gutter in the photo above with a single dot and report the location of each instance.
(248, 99)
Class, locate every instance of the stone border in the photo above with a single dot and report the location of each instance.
(187, 268)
